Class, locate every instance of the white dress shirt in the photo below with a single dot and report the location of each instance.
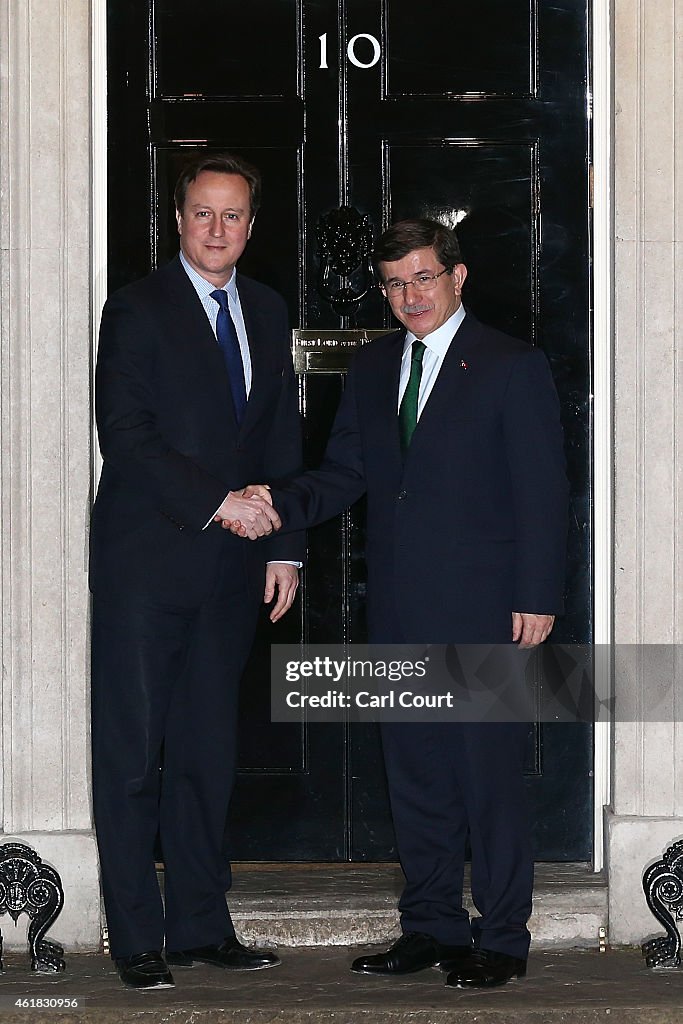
(437, 344)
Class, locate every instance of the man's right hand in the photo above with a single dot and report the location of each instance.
(249, 513)
(251, 492)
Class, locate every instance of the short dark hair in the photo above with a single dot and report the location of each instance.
(221, 163)
(420, 233)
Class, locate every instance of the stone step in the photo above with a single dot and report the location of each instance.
(355, 904)
(315, 986)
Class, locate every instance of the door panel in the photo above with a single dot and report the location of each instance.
(220, 55)
(487, 49)
(496, 187)
(475, 114)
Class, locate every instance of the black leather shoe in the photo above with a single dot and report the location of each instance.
(412, 952)
(144, 970)
(484, 969)
(457, 956)
(230, 954)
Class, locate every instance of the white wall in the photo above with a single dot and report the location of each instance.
(45, 435)
(647, 806)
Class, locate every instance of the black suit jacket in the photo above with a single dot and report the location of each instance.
(472, 526)
(171, 446)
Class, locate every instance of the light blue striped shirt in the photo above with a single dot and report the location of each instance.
(203, 289)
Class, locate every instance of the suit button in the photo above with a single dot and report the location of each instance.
(402, 495)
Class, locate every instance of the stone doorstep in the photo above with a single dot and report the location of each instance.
(315, 986)
(355, 904)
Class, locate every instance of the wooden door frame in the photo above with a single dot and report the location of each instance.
(601, 80)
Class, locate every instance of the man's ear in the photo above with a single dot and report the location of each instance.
(251, 224)
(178, 220)
(459, 275)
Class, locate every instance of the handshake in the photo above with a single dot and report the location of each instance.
(249, 512)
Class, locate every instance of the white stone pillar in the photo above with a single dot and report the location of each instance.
(46, 450)
(647, 807)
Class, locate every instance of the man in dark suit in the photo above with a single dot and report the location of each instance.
(195, 394)
(452, 429)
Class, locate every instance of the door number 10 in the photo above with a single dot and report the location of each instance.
(351, 50)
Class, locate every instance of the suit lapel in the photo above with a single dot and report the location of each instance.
(259, 353)
(384, 401)
(191, 317)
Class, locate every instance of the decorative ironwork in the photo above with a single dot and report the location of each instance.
(29, 886)
(663, 886)
(344, 247)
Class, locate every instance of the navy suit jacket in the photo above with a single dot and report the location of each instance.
(472, 525)
(171, 445)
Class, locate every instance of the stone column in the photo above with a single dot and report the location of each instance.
(647, 807)
(46, 448)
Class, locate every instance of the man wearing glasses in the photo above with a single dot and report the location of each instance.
(453, 430)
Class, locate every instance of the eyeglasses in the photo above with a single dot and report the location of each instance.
(423, 283)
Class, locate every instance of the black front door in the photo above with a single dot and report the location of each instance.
(474, 114)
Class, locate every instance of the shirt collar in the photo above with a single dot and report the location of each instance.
(439, 340)
(204, 287)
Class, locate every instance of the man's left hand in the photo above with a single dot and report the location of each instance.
(531, 629)
(285, 578)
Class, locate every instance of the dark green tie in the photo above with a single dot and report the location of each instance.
(407, 413)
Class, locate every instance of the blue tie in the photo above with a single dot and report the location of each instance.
(230, 347)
